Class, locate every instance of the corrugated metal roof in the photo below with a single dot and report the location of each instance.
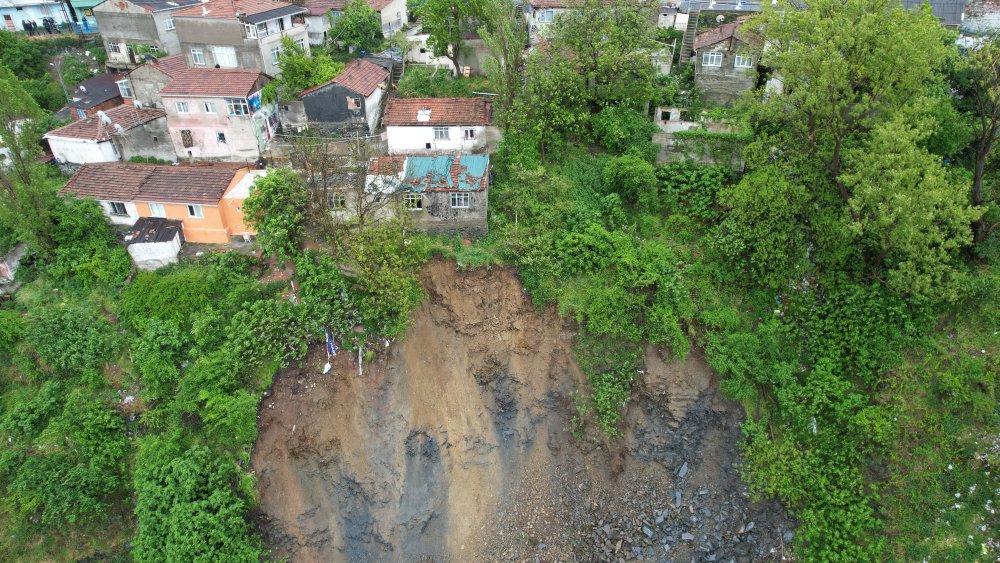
(948, 11)
(445, 173)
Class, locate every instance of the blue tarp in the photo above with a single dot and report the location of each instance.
(449, 172)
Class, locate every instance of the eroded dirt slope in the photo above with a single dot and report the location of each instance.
(454, 446)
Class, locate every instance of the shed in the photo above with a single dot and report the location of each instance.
(154, 242)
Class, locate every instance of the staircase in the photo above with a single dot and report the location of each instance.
(687, 43)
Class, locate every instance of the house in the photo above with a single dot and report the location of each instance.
(194, 195)
(670, 16)
(392, 13)
(318, 21)
(95, 94)
(217, 114)
(435, 125)
(115, 135)
(154, 242)
(725, 63)
(131, 28)
(948, 12)
(147, 80)
(445, 193)
(350, 103)
(14, 12)
(243, 34)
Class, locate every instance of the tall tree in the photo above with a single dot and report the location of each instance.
(980, 82)
(359, 26)
(553, 104)
(505, 36)
(26, 197)
(276, 208)
(845, 65)
(448, 22)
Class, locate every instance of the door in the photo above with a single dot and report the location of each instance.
(10, 22)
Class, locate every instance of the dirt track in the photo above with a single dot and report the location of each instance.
(454, 446)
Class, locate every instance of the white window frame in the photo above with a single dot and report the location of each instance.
(198, 57)
(441, 134)
(195, 211)
(181, 107)
(338, 202)
(225, 56)
(125, 89)
(470, 134)
(208, 107)
(157, 210)
(114, 48)
(744, 61)
(114, 205)
(301, 43)
(353, 103)
(414, 202)
(237, 106)
(275, 54)
(251, 30)
(168, 24)
(711, 58)
(546, 16)
(460, 200)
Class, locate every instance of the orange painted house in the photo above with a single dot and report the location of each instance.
(207, 199)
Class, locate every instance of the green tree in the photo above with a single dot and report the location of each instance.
(552, 107)
(633, 179)
(447, 22)
(300, 71)
(277, 208)
(359, 26)
(504, 35)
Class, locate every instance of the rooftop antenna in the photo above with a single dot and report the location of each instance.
(138, 104)
(104, 117)
(83, 88)
(119, 129)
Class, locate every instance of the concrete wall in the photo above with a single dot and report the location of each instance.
(124, 24)
(438, 216)
(317, 26)
(35, 12)
(393, 17)
(474, 53)
(293, 115)
(209, 229)
(373, 109)
(241, 134)
(155, 255)
(82, 151)
(132, 213)
(149, 139)
(168, 38)
(146, 84)
(326, 109)
(415, 140)
(274, 41)
(203, 33)
(723, 84)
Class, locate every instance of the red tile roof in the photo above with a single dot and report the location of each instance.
(360, 76)
(388, 165)
(228, 8)
(546, 4)
(443, 111)
(379, 5)
(171, 66)
(719, 34)
(320, 7)
(117, 181)
(214, 82)
(94, 129)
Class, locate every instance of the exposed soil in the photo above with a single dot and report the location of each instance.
(455, 446)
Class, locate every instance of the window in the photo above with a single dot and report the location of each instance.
(440, 133)
(546, 16)
(125, 88)
(208, 107)
(114, 48)
(197, 57)
(301, 43)
(81, 114)
(182, 107)
(117, 208)
(220, 137)
(460, 200)
(195, 211)
(156, 210)
(275, 54)
(353, 103)
(168, 24)
(225, 57)
(237, 106)
(470, 134)
(414, 202)
(251, 30)
(744, 61)
(338, 202)
(711, 58)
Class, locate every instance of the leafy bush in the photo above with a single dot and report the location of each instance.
(633, 179)
(273, 330)
(428, 82)
(619, 128)
(87, 251)
(692, 190)
(71, 338)
(174, 296)
(11, 329)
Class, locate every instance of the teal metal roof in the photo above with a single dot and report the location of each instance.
(465, 172)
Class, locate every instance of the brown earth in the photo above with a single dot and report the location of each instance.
(455, 446)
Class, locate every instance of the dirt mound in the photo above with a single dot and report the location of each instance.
(454, 446)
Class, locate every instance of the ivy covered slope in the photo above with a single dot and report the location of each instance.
(846, 285)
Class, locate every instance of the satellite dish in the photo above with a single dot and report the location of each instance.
(83, 88)
(104, 118)
(119, 128)
(138, 104)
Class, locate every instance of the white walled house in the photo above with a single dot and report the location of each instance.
(318, 18)
(120, 134)
(438, 125)
(392, 13)
(15, 12)
(216, 114)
